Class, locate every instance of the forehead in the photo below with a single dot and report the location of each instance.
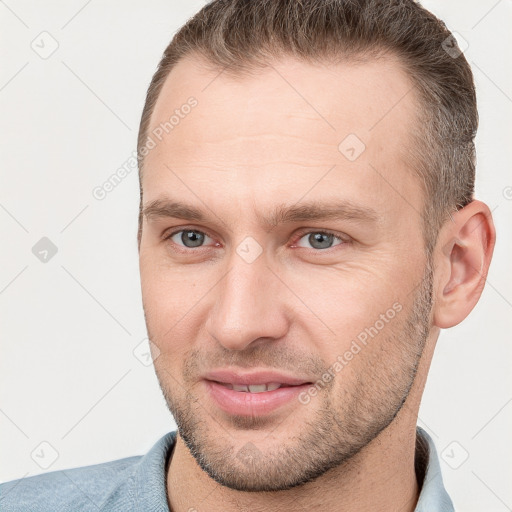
(289, 130)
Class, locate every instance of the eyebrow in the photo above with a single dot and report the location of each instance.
(281, 214)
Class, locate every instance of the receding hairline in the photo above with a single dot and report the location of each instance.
(253, 68)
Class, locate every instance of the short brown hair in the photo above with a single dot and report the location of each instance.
(242, 35)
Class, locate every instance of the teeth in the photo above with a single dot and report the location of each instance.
(257, 388)
(254, 388)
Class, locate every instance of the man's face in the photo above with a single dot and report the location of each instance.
(337, 308)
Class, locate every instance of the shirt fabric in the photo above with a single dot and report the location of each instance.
(138, 484)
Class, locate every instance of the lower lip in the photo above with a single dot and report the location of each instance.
(252, 404)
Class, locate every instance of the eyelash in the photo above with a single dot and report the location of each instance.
(343, 239)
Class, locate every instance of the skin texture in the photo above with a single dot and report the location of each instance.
(251, 144)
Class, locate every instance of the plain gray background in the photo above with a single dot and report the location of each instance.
(76, 386)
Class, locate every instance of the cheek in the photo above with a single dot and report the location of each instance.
(168, 292)
(348, 301)
(175, 302)
(164, 304)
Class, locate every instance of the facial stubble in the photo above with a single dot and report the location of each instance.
(347, 417)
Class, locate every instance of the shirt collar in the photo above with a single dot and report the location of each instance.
(148, 489)
(433, 496)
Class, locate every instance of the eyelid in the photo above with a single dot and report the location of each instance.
(173, 231)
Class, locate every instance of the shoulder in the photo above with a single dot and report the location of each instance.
(133, 483)
(84, 488)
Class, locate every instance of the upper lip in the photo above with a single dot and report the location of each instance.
(253, 378)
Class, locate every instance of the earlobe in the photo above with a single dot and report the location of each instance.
(465, 248)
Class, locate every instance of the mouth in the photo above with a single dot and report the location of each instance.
(255, 388)
(253, 394)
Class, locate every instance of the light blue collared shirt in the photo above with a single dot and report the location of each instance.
(138, 484)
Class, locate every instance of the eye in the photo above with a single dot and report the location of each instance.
(193, 238)
(321, 240)
(189, 238)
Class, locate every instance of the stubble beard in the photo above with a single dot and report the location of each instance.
(346, 419)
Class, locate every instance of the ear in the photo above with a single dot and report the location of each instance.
(462, 257)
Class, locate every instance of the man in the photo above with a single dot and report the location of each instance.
(307, 227)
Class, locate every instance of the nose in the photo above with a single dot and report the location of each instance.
(249, 307)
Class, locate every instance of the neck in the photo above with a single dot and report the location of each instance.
(381, 476)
